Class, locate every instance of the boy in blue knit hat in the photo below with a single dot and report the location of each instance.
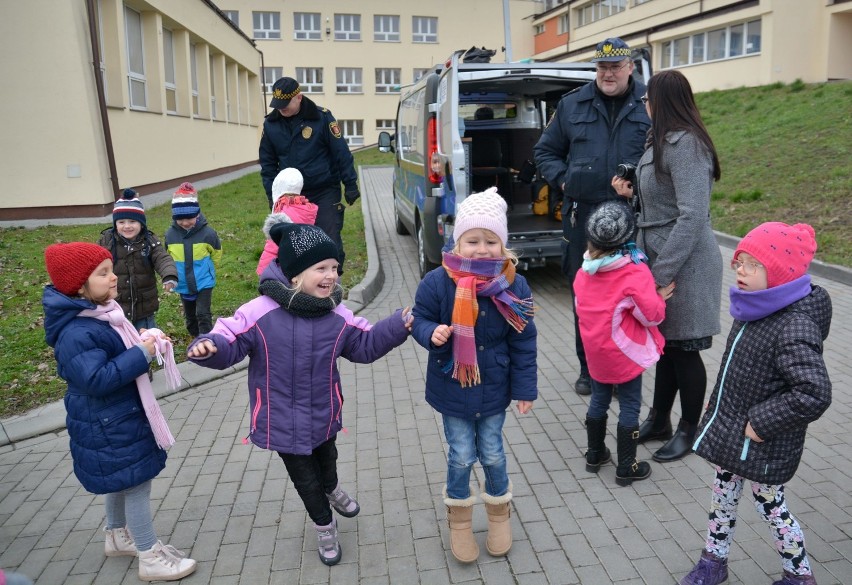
(137, 257)
(196, 250)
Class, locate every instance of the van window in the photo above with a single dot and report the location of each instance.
(411, 130)
(481, 112)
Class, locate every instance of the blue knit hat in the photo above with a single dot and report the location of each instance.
(129, 207)
(185, 202)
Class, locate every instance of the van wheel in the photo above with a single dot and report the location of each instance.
(423, 262)
(400, 227)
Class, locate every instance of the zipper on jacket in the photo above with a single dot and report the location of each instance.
(721, 388)
(254, 414)
(339, 406)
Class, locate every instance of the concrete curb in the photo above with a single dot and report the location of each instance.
(50, 419)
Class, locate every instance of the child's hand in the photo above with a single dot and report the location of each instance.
(168, 286)
(407, 318)
(441, 335)
(749, 432)
(150, 344)
(666, 291)
(202, 349)
(524, 406)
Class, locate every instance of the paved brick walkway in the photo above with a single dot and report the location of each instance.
(233, 509)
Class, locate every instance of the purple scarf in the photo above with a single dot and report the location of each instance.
(752, 306)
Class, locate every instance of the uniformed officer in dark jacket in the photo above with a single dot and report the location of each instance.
(595, 128)
(300, 134)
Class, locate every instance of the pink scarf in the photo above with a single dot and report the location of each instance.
(114, 315)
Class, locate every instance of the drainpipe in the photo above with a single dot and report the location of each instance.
(99, 84)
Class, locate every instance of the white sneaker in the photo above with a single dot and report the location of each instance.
(164, 562)
(119, 543)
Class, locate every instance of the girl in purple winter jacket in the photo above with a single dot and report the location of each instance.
(293, 334)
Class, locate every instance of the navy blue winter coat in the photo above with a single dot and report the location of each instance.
(112, 444)
(506, 358)
(294, 386)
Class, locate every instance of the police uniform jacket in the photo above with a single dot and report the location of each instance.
(773, 375)
(310, 141)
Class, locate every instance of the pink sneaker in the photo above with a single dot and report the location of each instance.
(341, 502)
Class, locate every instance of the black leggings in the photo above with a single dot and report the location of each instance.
(684, 371)
(314, 476)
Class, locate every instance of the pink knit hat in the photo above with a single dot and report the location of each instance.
(486, 210)
(784, 250)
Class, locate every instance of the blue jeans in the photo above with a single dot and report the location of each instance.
(145, 323)
(470, 440)
(629, 401)
(132, 508)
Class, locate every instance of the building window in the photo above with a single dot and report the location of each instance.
(349, 80)
(386, 125)
(562, 24)
(548, 4)
(714, 45)
(212, 88)
(347, 27)
(418, 73)
(267, 25)
(353, 132)
(306, 26)
(310, 79)
(538, 29)
(598, 10)
(169, 71)
(425, 29)
(638, 2)
(270, 76)
(193, 71)
(135, 59)
(233, 16)
(388, 80)
(386, 28)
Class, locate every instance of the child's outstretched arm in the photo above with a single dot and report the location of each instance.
(365, 346)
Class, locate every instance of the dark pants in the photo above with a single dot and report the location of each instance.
(573, 247)
(684, 371)
(314, 476)
(198, 315)
(330, 216)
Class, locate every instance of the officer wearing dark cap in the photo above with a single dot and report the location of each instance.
(300, 134)
(596, 127)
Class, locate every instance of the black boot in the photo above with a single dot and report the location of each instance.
(680, 445)
(597, 454)
(657, 427)
(629, 470)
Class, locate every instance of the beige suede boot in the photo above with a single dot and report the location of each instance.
(119, 543)
(499, 539)
(460, 518)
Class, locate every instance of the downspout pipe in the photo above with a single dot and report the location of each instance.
(102, 107)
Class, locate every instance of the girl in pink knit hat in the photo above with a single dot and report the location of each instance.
(773, 382)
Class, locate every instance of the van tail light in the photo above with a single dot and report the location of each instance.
(432, 148)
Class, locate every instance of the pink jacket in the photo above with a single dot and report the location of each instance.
(288, 209)
(619, 310)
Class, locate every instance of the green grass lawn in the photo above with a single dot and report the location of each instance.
(786, 155)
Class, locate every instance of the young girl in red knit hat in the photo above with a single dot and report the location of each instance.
(117, 432)
(772, 383)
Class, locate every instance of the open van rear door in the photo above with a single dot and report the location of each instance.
(450, 146)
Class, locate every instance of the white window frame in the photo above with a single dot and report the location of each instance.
(212, 89)
(266, 25)
(233, 16)
(193, 72)
(135, 78)
(562, 24)
(101, 64)
(353, 132)
(598, 10)
(169, 71)
(307, 26)
(349, 80)
(698, 49)
(388, 79)
(386, 28)
(538, 29)
(347, 27)
(269, 76)
(424, 29)
(310, 79)
(386, 124)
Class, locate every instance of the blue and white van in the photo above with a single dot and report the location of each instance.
(464, 127)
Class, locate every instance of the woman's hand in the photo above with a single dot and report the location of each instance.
(666, 291)
(524, 406)
(441, 335)
(749, 432)
(622, 186)
(202, 349)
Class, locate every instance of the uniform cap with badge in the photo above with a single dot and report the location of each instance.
(612, 49)
(283, 91)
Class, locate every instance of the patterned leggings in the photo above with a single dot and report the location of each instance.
(769, 501)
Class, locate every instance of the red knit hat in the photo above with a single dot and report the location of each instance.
(70, 265)
(784, 250)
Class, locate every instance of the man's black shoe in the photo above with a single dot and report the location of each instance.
(583, 385)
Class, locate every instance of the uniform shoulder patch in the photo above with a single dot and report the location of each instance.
(325, 109)
(335, 129)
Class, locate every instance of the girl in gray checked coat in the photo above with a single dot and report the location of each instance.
(773, 382)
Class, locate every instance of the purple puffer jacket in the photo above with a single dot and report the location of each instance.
(294, 385)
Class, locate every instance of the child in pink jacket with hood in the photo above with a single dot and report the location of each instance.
(619, 308)
(288, 206)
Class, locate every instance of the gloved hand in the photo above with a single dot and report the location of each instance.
(351, 196)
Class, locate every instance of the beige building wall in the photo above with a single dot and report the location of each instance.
(460, 25)
(56, 157)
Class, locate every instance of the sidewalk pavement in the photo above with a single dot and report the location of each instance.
(233, 509)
